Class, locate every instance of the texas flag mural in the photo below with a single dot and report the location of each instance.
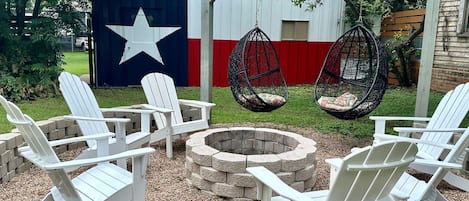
(134, 38)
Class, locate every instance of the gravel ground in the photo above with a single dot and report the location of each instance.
(166, 179)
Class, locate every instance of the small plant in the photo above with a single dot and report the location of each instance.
(400, 52)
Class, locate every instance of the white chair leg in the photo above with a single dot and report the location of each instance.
(169, 145)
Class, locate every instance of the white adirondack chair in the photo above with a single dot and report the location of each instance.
(161, 96)
(85, 110)
(420, 190)
(447, 117)
(105, 181)
(367, 174)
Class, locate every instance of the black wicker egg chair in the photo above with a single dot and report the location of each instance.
(354, 75)
(254, 73)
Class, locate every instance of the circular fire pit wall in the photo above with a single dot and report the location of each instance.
(216, 160)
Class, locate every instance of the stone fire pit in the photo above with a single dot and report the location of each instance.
(216, 160)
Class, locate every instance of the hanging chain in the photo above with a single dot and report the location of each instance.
(360, 17)
(258, 5)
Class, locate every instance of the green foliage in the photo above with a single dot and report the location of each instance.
(30, 60)
(30, 64)
(311, 4)
(400, 54)
(69, 17)
(369, 8)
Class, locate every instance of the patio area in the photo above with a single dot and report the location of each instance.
(166, 177)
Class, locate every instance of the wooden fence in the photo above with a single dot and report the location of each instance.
(403, 22)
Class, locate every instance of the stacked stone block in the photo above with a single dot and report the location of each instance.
(190, 113)
(216, 160)
(10, 161)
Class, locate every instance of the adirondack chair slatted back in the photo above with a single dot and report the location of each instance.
(449, 114)
(39, 145)
(82, 102)
(371, 174)
(161, 92)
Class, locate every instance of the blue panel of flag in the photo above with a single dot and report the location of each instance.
(129, 45)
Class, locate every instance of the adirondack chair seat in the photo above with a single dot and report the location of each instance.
(160, 92)
(438, 133)
(113, 182)
(179, 128)
(366, 174)
(411, 187)
(98, 177)
(105, 181)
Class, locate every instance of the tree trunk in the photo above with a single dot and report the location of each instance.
(37, 8)
(20, 15)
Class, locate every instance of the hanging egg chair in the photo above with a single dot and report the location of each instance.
(254, 73)
(353, 77)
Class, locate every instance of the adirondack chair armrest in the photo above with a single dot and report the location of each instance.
(128, 110)
(157, 109)
(196, 103)
(335, 164)
(397, 118)
(265, 180)
(114, 120)
(380, 121)
(399, 195)
(92, 161)
(55, 143)
(386, 137)
(434, 163)
(144, 115)
(204, 107)
(81, 138)
(411, 129)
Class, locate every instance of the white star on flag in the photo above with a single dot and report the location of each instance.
(141, 37)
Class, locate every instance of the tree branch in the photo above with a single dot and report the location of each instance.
(404, 60)
(414, 34)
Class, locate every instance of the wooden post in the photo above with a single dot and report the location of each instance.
(428, 51)
(90, 52)
(206, 51)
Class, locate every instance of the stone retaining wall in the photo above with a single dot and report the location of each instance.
(12, 163)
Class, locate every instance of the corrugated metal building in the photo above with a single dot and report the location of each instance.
(302, 38)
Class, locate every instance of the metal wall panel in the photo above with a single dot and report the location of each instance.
(234, 18)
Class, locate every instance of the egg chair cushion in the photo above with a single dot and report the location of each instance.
(344, 102)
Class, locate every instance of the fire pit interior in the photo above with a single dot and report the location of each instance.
(216, 160)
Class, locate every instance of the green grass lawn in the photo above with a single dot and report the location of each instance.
(76, 63)
(300, 111)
